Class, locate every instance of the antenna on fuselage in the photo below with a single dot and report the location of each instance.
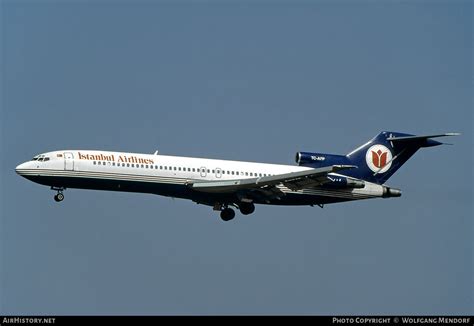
(156, 152)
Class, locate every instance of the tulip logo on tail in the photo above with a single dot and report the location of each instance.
(378, 158)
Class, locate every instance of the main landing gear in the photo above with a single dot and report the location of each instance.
(59, 196)
(247, 208)
(228, 214)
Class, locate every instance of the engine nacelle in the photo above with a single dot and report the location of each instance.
(316, 160)
(305, 157)
(343, 182)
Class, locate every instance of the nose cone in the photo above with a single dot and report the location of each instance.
(20, 169)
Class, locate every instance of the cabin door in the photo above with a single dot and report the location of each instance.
(69, 161)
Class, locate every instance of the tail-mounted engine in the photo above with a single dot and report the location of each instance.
(336, 181)
(317, 160)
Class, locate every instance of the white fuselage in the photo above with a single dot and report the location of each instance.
(170, 175)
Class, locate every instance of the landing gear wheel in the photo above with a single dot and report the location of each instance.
(247, 208)
(59, 197)
(227, 214)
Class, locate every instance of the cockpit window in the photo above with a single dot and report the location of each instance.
(40, 158)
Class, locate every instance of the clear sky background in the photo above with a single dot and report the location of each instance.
(241, 80)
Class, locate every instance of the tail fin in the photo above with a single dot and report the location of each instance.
(378, 159)
(383, 155)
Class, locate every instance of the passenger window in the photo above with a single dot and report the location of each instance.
(128, 165)
(208, 171)
(194, 169)
(232, 172)
(174, 168)
(246, 174)
(133, 165)
(123, 164)
(94, 162)
(179, 169)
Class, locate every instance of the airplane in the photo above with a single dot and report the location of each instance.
(318, 179)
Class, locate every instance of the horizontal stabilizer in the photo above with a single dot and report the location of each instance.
(421, 141)
(412, 138)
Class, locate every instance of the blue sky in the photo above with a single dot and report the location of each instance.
(254, 81)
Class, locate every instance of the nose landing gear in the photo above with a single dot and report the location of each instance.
(59, 196)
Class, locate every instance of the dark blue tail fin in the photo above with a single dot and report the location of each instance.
(378, 159)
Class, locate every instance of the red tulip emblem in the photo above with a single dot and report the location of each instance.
(379, 158)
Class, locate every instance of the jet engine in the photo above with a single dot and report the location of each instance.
(336, 181)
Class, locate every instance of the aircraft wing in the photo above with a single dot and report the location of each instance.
(266, 186)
